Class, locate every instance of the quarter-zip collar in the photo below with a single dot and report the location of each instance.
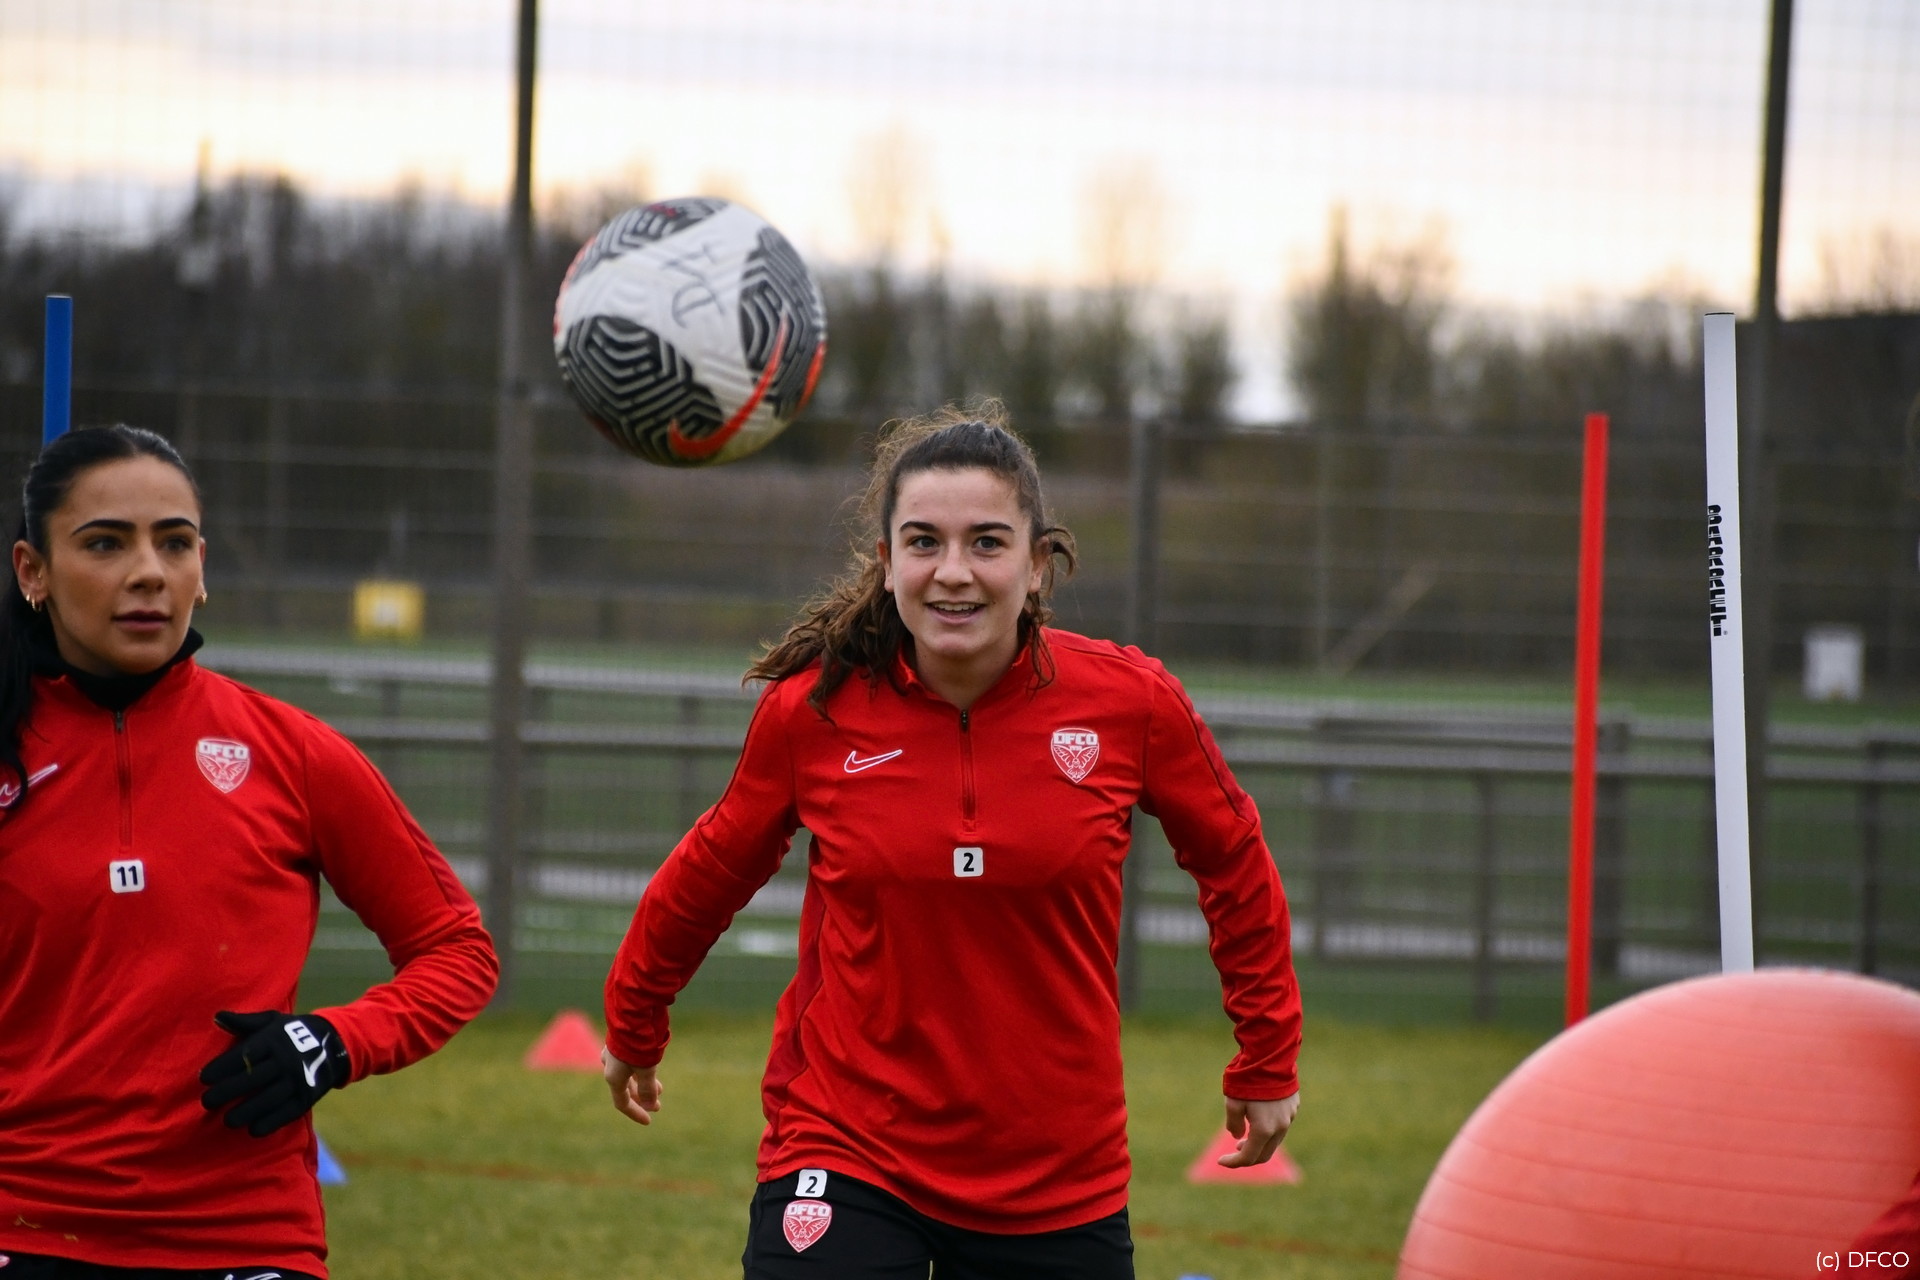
(1017, 676)
(114, 693)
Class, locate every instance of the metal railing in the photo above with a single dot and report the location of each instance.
(1405, 834)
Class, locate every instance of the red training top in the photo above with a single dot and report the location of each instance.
(953, 1032)
(165, 866)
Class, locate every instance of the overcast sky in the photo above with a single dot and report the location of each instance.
(1566, 152)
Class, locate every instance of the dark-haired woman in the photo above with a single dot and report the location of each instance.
(163, 833)
(944, 1088)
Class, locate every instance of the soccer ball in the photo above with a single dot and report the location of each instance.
(689, 331)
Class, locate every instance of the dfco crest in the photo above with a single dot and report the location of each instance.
(224, 761)
(805, 1222)
(1076, 751)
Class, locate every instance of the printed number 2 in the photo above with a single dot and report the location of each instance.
(968, 860)
(813, 1184)
(127, 877)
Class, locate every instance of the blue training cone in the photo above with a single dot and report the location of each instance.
(329, 1172)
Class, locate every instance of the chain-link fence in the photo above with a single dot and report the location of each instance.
(1325, 547)
(1365, 266)
(1424, 848)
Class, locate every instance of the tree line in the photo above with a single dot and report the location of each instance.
(258, 282)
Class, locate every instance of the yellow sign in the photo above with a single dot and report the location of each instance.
(384, 609)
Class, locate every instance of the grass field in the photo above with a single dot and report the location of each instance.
(468, 1166)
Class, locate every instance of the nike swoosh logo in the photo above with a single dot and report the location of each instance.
(9, 790)
(313, 1068)
(855, 764)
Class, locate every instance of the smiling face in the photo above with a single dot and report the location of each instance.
(122, 566)
(960, 559)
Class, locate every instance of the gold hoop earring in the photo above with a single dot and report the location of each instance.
(36, 603)
(201, 599)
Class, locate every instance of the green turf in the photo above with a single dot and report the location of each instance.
(466, 1165)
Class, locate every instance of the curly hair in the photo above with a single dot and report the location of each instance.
(854, 625)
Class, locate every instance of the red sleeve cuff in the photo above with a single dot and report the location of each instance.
(632, 1052)
(1259, 1086)
(341, 1016)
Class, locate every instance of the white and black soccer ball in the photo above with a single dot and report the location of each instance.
(689, 331)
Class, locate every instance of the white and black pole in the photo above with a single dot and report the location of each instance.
(1726, 634)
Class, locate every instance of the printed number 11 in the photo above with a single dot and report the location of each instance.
(127, 877)
(969, 860)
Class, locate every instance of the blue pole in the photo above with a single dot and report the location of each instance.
(56, 394)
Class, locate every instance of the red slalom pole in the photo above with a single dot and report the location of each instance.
(1586, 716)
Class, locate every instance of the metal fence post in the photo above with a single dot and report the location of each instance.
(687, 801)
(1322, 545)
(1333, 870)
(512, 536)
(391, 759)
(1706, 914)
(1870, 863)
(1143, 561)
(535, 769)
(1759, 473)
(1142, 587)
(1486, 873)
(278, 518)
(1610, 848)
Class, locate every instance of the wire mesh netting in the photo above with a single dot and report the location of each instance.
(1364, 266)
(1423, 845)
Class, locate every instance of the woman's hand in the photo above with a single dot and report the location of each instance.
(636, 1090)
(1260, 1126)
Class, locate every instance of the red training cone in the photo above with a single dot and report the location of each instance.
(1206, 1168)
(568, 1044)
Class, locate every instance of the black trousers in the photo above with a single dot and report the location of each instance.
(35, 1266)
(851, 1230)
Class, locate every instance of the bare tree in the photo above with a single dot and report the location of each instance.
(1364, 328)
(982, 352)
(1106, 354)
(574, 213)
(1034, 370)
(1124, 215)
(1873, 271)
(1639, 363)
(1202, 371)
(886, 186)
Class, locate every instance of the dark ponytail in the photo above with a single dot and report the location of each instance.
(18, 622)
(49, 480)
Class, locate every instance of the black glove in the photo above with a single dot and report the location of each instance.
(283, 1064)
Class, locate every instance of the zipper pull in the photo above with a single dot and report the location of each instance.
(963, 722)
(120, 720)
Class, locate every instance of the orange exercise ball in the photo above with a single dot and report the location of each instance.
(1735, 1125)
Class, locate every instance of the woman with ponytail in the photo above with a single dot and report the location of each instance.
(944, 1087)
(163, 833)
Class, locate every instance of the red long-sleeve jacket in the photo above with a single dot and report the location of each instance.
(165, 865)
(953, 1032)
